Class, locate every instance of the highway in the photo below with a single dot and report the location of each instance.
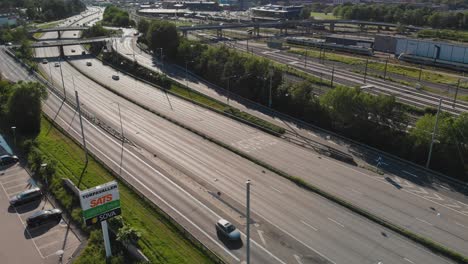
(332, 231)
(407, 199)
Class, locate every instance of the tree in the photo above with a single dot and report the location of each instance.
(162, 34)
(24, 107)
(128, 234)
(143, 26)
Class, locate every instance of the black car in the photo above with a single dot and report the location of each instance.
(8, 160)
(44, 216)
(30, 195)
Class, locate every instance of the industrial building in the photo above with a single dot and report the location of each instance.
(8, 19)
(275, 12)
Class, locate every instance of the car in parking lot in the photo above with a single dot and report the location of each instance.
(73, 50)
(88, 63)
(57, 64)
(44, 216)
(27, 196)
(227, 229)
(8, 160)
(44, 61)
(115, 77)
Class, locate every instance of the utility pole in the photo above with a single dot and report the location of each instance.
(305, 58)
(385, 71)
(456, 93)
(420, 72)
(332, 76)
(78, 107)
(365, 72)
(13, 128)
(248, 222)
(63, 83)
(433, 134)
(269, 95)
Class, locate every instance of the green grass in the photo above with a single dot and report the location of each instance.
(161, 241)
(318, 15)
(48, 25)
(444, 34)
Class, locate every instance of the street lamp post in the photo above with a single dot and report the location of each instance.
(13, 128)
(248, 222)
(433, 135)
(43, 168)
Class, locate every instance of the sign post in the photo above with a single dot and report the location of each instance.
(99, 204)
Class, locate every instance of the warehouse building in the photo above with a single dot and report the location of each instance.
(276, 12)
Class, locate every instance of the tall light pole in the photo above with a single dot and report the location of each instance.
(123, 138)
(271, 83)
(247, 183)
(433, 134)
(13, 128)
(43, 168)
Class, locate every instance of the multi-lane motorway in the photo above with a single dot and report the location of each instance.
(295, 225)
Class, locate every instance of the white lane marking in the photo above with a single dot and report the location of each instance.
(298, 259)
(307, 224)
(453, 205)
(465, 213)
(408, 260)
(436, 197)
(424, 221)
(276, 189)
(460, 224)
(260, 234)
(312, 134)
(27, 230)
(355, 191)
(446, 188)
(268, 252)
(409, 173)
(156, 195)
(421, 190)
(48, 244)
(338, 223)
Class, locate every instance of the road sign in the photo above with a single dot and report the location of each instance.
(100, 203)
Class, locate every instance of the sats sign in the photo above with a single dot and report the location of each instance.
(100, 203)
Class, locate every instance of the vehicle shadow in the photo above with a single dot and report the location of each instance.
(392, 182)
(32, 232)
(230, 244)
(21, 209)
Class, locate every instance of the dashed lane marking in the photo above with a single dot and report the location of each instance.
(411, 174)
(307, 224)
(408, 260)
(460, 224)
(260, 234)
(312, 134)
(424, 221)
(421, 190)
(437, 197)
(298, 259)
(334, 221)
(276, 189)
(446, 188)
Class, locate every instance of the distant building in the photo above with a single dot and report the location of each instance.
(8, 19)
(276, 12)
(337, 2)
(192, 5)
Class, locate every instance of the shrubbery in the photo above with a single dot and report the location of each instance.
(117, 17)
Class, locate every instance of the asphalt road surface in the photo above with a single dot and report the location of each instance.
(288, 215)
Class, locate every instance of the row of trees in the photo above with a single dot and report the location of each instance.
(375, 120)
(115, 16)
(45, 10)
(20, 106)
(403, 14)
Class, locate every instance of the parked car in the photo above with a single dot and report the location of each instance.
(115, 77)
(73, 50)
(227, 229)
(8, 160)
(57, 64)
(44, 61)
(27, 196)
(44, 216)
(9, 44)
(83, 52)
(88, 63)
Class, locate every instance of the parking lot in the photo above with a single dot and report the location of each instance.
(21, 244)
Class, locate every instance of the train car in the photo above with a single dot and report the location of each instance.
(318, 43)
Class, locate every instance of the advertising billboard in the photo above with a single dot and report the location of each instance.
(100, 203)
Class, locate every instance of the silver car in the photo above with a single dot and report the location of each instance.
(227, 229)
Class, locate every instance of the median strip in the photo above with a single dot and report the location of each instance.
(431, 245)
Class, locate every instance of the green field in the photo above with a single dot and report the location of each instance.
(160, 241)
(318, 15)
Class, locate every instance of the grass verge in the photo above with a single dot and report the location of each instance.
(162, 241)
(431, 245)
(319, 15)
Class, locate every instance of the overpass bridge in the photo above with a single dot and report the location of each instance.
(62, 43)
(284, 25)
(59, 30)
